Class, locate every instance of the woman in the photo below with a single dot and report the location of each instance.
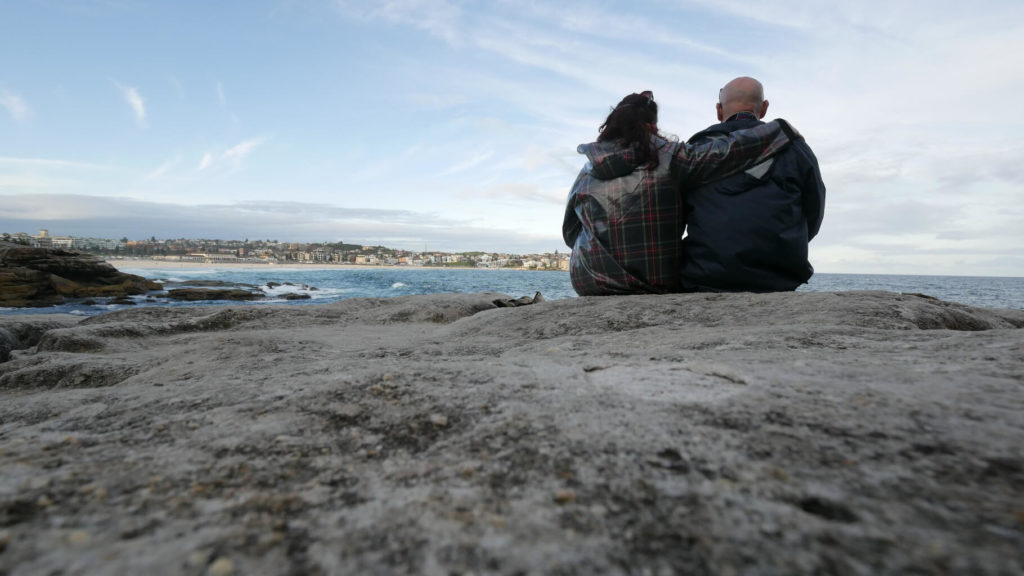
(624, 219)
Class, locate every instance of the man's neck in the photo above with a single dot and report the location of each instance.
(742, 115)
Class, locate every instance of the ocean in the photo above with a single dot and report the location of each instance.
(324, 286)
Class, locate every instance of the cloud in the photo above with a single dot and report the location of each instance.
(50, 163)
(15, 106)
(287, 221)
(163, 168)
(521, 192)
(241, 151)
(220, 95)
(466, 164)
(134, 99)
(236, 154)
(439, 18)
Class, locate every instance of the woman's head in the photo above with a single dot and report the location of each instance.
(632, 123)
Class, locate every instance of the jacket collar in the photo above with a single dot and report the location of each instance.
(737, 121)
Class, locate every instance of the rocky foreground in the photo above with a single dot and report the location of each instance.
(797, 433)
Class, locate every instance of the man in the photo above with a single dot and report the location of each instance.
(749, 232)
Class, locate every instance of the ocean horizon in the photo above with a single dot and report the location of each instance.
(326, 284)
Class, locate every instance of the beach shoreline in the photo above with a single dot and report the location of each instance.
(133, 263)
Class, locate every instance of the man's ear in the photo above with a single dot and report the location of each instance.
(718, 108)
(764, 109)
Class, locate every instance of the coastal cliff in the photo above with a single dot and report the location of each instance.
(792, 433)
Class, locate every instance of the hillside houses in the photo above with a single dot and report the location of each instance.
(274, 252)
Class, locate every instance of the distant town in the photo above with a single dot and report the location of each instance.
(274, 252)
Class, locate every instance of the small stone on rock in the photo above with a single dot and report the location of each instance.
(221, 567)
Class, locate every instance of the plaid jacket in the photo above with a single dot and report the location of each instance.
(624, 222)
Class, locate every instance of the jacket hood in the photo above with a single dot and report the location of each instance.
(723, 128)
(608, 160)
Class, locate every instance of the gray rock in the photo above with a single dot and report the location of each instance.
(20, 332)
(796, 433)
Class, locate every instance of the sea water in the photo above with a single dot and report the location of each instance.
(329, 285)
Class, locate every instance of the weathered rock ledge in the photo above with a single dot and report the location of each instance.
(797, 433)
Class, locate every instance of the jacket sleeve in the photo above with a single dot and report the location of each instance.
(812, 188)
(571, 224)
(714, 158)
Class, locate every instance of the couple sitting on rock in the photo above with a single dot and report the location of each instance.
(747, 194)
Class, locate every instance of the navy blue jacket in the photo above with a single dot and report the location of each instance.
(749, 232)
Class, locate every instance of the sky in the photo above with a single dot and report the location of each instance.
(452, 125)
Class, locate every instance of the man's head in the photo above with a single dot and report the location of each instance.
(744, 94)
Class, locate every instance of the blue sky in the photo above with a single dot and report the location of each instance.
(453, 125)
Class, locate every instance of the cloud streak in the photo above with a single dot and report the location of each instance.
(243, 150)
(134, 99)
(234, 155)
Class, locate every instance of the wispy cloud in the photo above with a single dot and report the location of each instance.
(221, 97)
(134, 99)
(163, 168)
(467, 164)
(236, 154)
(15, 105)
(51, 163)
(439, 18)
(241, 151)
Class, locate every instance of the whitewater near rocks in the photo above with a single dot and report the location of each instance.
(845, 433)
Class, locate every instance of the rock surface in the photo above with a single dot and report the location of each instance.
(24, 331)
(200, 294)
(36, 277)
(796, 433)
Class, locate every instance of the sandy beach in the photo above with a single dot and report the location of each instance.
(794, 433)
(134, 263)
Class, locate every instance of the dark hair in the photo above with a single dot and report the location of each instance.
(632, 123)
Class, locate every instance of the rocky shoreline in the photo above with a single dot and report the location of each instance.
(796, 433)
(42, 277)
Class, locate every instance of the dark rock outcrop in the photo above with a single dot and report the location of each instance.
(200, 294)
(36, 277)
(295, 296)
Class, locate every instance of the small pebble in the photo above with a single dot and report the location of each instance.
(198, 559)
(44, 501)
(5, 537)
(221, 567)
(79, 538)
(565, 496)
(439, 420)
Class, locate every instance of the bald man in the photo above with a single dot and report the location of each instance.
(749, 232)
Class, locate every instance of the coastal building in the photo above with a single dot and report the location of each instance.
(43, 239)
